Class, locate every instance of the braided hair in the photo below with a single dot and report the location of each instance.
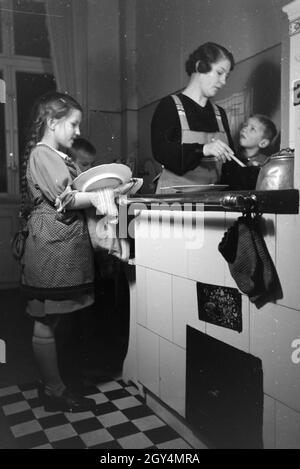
(52, 105)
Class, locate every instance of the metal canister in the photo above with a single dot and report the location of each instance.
(277, 172)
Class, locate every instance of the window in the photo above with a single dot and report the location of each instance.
(26, 67)
(30, 31)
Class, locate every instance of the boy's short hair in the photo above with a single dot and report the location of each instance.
(270, 130)
(83, 144)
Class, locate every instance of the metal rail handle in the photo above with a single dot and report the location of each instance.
(238, 201)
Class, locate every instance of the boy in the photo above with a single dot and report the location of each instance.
(83, 153)
(256, 135)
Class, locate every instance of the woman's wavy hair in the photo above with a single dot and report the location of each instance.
(207, 54)
(52, 105)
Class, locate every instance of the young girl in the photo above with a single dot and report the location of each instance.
(57, 265)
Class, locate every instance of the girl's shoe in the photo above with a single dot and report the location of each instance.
(67, 402)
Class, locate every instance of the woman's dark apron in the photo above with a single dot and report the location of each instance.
(209, 169)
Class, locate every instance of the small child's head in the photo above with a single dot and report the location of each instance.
(257, 133)
(83, 152)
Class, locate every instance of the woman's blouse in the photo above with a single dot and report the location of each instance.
(166, 143)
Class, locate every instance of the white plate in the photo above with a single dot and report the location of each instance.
(104, 175)
(196, 187)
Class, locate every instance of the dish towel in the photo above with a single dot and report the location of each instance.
(249, 261)
(102, 222)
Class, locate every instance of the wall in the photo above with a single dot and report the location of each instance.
(168, 30)
(104, 94)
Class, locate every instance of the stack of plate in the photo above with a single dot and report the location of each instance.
(105, 175)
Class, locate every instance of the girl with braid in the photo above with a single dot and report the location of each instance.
(57, 265)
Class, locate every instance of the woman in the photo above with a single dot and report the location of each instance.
(190, 135)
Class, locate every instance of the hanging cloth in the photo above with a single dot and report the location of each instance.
(249, 261)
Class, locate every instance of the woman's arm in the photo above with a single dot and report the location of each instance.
(166, 140)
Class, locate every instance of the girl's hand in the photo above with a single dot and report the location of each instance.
(218, 149)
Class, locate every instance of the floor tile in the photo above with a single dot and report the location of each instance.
(117, 394)
(9, 390)
(60, 432)
(53, 420)
(110, 386)
(96, 437)
(178, 443)
(136, 441)
(121, 420)
(88, 425)
(33, 440)
(11, 398)
(161, 434)
(113, 444)
(137, 412)
(26, 428)
(113, 418)
(123, 429)
(127, 402)
(46, 446)
(148, 423)
(69, 443)
(11, 409)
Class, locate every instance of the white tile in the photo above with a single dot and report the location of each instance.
(288, 259)
(178, 443)
(159, 303)
(77, 416)
(160, 243)
(274, 335)
(40, 412)
(26, 428)
(61, 432)
(141, 295)
(133, 390)
(185, 309)
(109, 386)
(269, 423)
(148, 423)
(96, 437)
(30, 394)
(287, 428)
(98, 398)
(46, 446)
(239, 340)
(15, 408)
(112, 418)
(126, 402)
(136, 441)
(148, 359)
(206, 264)
(9, 390)
(172, 375)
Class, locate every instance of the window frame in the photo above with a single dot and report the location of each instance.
(10, 64)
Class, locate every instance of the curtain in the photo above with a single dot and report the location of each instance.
(67, 26)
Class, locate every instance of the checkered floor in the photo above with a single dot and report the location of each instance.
(121, 421)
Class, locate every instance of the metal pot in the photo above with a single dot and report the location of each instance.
(277, 172)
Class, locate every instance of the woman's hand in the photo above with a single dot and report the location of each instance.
(218, 149)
